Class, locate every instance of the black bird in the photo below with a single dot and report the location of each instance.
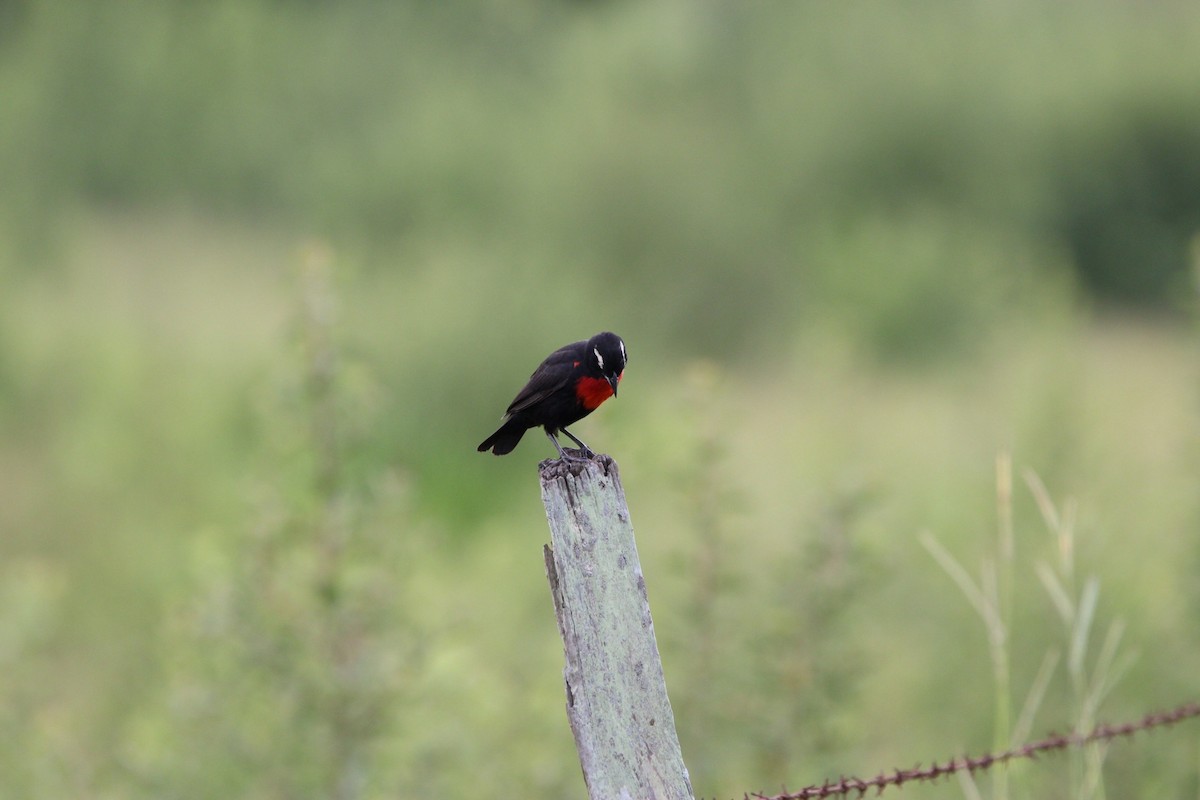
(570, 384)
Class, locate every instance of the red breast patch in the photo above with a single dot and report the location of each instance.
(592, 392)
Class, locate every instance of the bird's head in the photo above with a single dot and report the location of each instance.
(606, 357)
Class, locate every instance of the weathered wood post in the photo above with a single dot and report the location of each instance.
(616, 696)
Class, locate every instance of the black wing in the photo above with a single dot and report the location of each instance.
(551, 375)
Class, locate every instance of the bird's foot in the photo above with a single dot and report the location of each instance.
(582, 454)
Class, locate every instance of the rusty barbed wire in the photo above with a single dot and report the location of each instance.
(858, 787)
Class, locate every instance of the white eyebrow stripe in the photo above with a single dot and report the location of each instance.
(624, 358)
(599, 358)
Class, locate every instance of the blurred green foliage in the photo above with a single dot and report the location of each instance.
(631, 142)
(856, 250)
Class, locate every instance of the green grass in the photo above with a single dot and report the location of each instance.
(778, 502)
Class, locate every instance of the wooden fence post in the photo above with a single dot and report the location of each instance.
(616, 696)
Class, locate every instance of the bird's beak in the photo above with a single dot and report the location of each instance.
(613, 380)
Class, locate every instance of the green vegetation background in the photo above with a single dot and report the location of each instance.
(271, 270)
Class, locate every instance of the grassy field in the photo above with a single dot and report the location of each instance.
(192, 609)
(271, 271)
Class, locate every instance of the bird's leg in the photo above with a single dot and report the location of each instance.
(562, 454)
(587, 451)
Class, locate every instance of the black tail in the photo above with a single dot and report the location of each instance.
(505, 439)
